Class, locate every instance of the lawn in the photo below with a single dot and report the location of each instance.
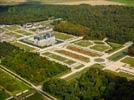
(62, 36)
(12, 27)
(126, 2)
(100, 47)
(82, 51)
(98, 42)
(59, 58)
(115, 47)
(22, 46)
(13, 34)
(83, 43)
(99, 60)
(117, 56)
(3, 94)
(24, 32)
(73, 55)
(128, 60)
(11, 84)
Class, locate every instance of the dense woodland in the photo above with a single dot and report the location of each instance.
(114, 22)
(95, 84)
(131, 50)
(28, 65)
(70, 28)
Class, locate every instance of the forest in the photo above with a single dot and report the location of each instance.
(29, 65)
(113, 22)
(131, 50)
(95, 84)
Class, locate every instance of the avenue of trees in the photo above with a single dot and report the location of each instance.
(95, 84)
(29, 65)
(131, 50)
(114, 22)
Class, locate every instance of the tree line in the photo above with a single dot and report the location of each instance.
(95, 84)
(114, 22)
(29, 65)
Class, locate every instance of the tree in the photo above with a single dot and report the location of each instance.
(131, 50)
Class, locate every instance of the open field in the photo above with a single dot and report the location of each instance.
(73, 55)
(118, 55)
(82, 51)
(22, 46)
(11, 84)
(62, 36)
(59, 58)
(100, 47)
(12, 27)
(83, 43)
(115, 47)
(128, 60)
(23, 32)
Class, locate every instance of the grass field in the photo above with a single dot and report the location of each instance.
(62, 36)
(83, 43)
(115, 47)
(100, 47)
(82, 51)
(128, 60)
(73, 55)
(11, 84)
(118, 55)
(126, 2)
(59, 58)
(25, 47)
(23, 32)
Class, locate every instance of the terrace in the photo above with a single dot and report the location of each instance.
(73, 55)
(82, 51)
(59, 58)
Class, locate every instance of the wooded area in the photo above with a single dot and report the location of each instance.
(114, 22)
(29, 65)
(95, 84)
(131, 50)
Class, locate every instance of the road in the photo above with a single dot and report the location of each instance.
(46, 95)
